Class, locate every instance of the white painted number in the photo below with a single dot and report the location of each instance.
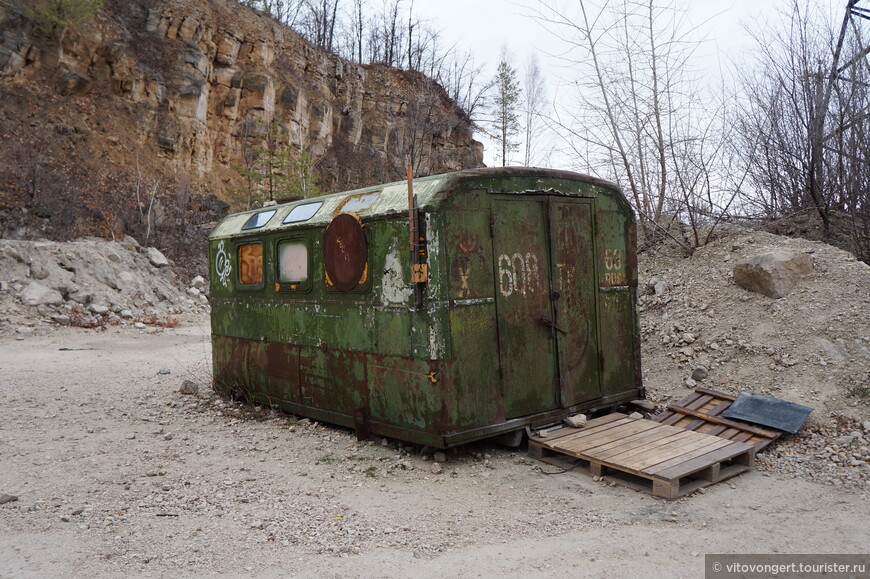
(518, 274)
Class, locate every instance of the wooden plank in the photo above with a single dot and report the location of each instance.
(595, 428)
(656, 452)
(718, 455)
(607, 436)
(556, 434)
(715, 393)
(706, 428)
(645, 405)
(669, 438)
(602, 420)
(729, 433)
(689, 456)
(724, 421)
(672, 419)
(567, 430)
(742, 437)
(587, 431)
(640, 440)
(669, 489)
(699, 402)
(689, 399)
(719, 408)
(536, 449)
(675, 451)
(719, 429)
(623, 439)
(695, 424)
(679, 454)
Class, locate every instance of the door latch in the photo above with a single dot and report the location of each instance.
(547, 321)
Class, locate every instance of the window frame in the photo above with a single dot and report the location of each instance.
(286, 221)
(247, 226)
(243, 286)
(291, 288)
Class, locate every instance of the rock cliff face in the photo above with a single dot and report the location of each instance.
(151, 100)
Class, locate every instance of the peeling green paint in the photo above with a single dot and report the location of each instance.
(493, 347)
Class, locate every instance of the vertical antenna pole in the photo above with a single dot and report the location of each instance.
(412, 214)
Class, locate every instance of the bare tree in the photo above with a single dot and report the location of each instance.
(533, 104)
(807, 105)
(637, 116)
(319, 22)
(421, 124)
(463, 79)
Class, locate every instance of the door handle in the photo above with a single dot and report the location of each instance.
(547, 321)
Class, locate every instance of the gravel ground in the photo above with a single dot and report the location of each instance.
(117, 473)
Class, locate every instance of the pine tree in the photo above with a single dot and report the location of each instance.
(505, 119)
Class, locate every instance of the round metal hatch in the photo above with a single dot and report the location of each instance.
(344, 251)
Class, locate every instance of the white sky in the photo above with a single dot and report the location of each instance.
(484, 26)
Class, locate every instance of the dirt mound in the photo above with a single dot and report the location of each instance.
(811, 346)
(91, 283)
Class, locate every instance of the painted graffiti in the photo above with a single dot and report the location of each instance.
(222, 264)
(518, 274)
(469, 248)
(464, 274)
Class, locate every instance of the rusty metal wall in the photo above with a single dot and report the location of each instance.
(528, 313)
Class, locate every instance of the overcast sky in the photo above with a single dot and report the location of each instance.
(484, 26)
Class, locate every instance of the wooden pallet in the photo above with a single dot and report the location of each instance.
(667, 461)
(699, 412)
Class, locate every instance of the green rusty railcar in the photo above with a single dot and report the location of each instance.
(512, 303)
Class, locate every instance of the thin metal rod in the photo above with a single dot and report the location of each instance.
(412, 221)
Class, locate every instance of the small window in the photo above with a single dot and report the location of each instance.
(302, 212)
(260, 219)
(251, 264)
(292, 262)
(358, 203)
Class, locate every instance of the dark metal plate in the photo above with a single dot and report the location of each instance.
(344, 251)
(768, 411)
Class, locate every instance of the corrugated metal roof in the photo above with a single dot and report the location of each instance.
(381, 200)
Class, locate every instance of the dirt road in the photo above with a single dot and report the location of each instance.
(117, 473)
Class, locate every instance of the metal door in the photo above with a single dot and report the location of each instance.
(575, 314)
(526, 348)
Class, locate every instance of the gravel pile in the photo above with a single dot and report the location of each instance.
(91, 283)
(812, 347)
(831, 454)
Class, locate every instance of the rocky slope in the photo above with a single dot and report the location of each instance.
(138, 117)
(811, 346)
(91, 283)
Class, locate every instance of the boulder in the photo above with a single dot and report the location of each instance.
(576, 421)
(772, 274)
(189, 387)
(38, 271)
(36, 294)
(156, 258)
(835, 351)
